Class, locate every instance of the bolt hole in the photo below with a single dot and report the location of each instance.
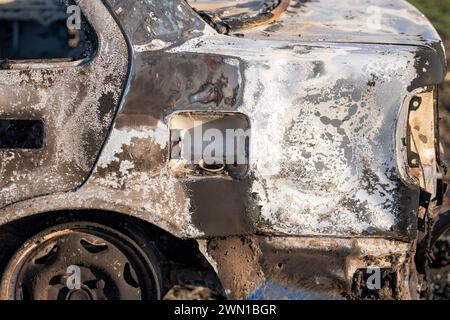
(92, 247)
(130, 276)
(47, 256)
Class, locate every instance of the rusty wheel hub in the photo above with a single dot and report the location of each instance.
(81, 262)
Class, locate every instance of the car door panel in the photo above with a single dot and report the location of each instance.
(75, 101)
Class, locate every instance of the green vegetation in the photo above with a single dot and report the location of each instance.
(438, 11)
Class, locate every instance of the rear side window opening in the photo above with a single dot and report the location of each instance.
(39, 30)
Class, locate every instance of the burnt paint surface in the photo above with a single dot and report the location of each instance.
(323, 120)
(356, 21)
(217, 203)
(328, 111)
(350, 21)
(164, 83)
(76, 103)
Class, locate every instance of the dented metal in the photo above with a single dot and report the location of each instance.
(329, 175)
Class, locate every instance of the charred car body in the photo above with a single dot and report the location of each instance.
(340, 178)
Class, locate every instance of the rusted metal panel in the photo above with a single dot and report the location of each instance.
(76, 102)
(331, 153)
(323, 150)
(424, 141)
(309, 268)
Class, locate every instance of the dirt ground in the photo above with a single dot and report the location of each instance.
(440, 270)
(191, 293)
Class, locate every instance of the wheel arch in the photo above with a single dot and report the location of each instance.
(178, 256)
(82, 202)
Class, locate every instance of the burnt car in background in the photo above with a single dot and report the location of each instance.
(341, 179)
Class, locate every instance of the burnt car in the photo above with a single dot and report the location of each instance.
(268, 149)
